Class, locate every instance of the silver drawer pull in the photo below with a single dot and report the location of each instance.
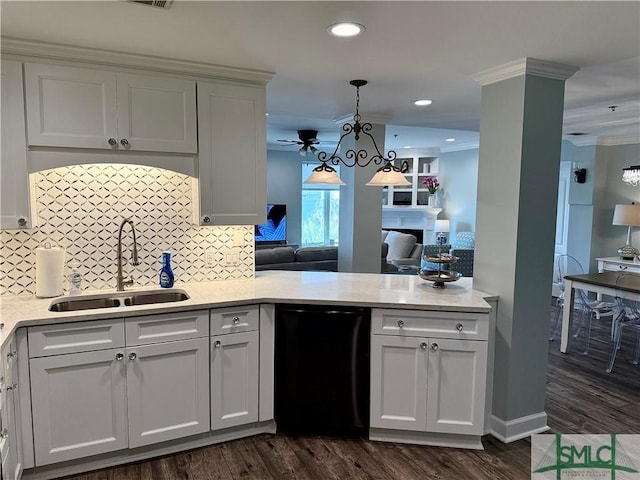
(113, 142)
(400, 323)
(119, 356)
(434, 346)
(133, 356)
(459, 327)
(217, 344)
(423, 346)
(236, 320)
(13, 386)
(4, 433)
(124, 142)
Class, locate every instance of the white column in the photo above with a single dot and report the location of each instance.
(361, 206)
(519, 164)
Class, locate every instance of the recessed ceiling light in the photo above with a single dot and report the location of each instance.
(407, 146)
(345, 29)
(450, 139)
(267, 114)
(422, 103)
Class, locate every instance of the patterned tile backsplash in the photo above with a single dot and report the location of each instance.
(80, 208)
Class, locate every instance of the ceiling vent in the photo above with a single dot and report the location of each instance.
(154, 3)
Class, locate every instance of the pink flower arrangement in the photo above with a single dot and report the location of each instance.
(432, 184)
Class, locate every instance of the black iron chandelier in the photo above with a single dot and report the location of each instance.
(387, 174)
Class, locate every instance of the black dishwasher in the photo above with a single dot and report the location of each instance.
(322, 369)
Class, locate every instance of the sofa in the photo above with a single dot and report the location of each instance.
(303, 258)
(307, 258)
(403, 250)
(462, 247)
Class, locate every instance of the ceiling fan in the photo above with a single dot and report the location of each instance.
(307, 138)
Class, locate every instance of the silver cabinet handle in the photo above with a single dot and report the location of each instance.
(459, 327)
(113, 142)
(133, 356)
(124, 142)
(400, 323)
(13, 386)
(236, 320)
(206, 219)
(119, 356)
(217, 344)
(22, 222)
(434, 346)
(423, 346)
(4, 433)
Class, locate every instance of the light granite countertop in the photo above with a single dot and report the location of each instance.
(310, 287)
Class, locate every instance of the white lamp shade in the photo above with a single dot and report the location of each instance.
(324, 177)
(627, 215)
(442, 226)
(383, 178)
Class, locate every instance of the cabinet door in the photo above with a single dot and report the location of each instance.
(456, 386)
(15, 201)
(232, 181)
(234, 379)
(12, 467)
(70, 107)
(79, 405)
(168, 390)
(398, 382)
(156, 114)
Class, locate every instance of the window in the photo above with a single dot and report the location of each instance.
(320, 209)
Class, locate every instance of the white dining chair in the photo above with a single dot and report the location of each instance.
(627, 319)
(589, 309)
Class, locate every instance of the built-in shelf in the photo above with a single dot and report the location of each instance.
(415, 169)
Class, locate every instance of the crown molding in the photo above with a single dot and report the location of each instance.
(56, 51)
(525, 66)
(604, 140)
(459, 147)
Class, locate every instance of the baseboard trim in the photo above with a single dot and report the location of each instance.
(508, 431)
(473, 442)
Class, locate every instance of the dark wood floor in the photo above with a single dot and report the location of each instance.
(581, 398)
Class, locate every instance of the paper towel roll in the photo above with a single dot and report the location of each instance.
(49, 271)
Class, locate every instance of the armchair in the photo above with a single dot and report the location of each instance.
(462, 247)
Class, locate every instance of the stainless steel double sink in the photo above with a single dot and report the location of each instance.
(120, 299)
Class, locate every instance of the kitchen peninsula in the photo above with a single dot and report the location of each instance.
(430, 366)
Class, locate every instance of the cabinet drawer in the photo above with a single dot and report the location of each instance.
(435, 324)
(75, 337)
(234, 319)
(167, 327)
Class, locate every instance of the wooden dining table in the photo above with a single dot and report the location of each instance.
(616, 284)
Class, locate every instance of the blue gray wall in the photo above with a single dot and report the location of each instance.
(284, 185)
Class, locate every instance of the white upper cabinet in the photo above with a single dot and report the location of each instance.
(101, 109)
(15, 203)
(232, 163)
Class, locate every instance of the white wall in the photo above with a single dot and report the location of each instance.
(459, 179)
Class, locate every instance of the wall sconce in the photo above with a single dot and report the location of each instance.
(580, 175)
(631, 175)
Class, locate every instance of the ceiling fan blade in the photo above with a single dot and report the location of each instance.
(290, 142)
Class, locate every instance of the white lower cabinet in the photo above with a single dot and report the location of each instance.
(79, 405)
(428, 384)
(234, 366)
(167, 391)
(128, 395)
(11, 453)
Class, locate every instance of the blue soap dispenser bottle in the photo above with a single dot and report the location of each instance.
(166, 274)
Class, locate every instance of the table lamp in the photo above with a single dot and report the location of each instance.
(629, 216)
(441, 228)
